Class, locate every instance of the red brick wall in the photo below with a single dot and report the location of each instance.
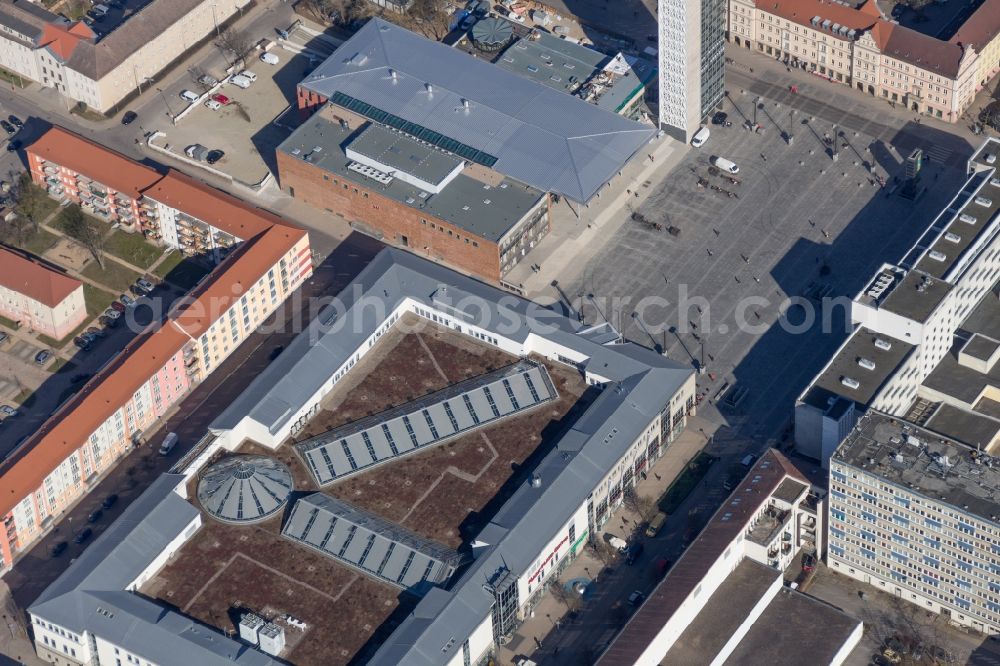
(435, 239)
(308, 101)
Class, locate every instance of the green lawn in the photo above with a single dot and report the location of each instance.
(180, 271)
(133, 248)
(113, 274)
(59, 221)
(41, 241)
(97, 300)
(9, 323)
(685, 483)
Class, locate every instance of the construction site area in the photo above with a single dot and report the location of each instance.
(444, 494)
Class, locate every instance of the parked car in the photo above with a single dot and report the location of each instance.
(95, 515)
(109, 501)
(720, 118)
(248, 75)
(7, 127)
(112, 314)
(83, 535)
(270, 58)
(221, 99)
(8, 411)
(145, 285)
(3, 336)
(96, 332)
(42, 356)
(213, 105)
(636, 598)
(189, 96)
(196, 150)
(634, 551)
(129, 117)
(214, 156)
(207, 80)
(81, 342)
(107, 321)
(13, 145)
(126, 300)
(58, 548)
(240, 81)
(15, 121)
(118, 307)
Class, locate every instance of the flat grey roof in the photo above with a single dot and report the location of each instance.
(958, 381)
(916, 296)
(964, 426)
(552, 62)
(980, 346)
(379, 548)
(539, 136)
(428, 421)
(463, 202)
(952, 237)
(90, 596)
(795, 629)
(403, 153)
(910, 456)
(789, 490)
(861, 344)
(722, 615)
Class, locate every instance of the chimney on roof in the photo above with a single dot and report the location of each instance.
(429, 88)
(392, 75)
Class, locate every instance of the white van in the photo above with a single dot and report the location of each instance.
(725, 165)
(169, 442)
(240, 81)
(269, 58)
(247, 74)
(700, 137)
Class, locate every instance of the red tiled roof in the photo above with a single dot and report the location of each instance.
(918, 49)
(62, 41)
(803, 12)
(211, 205)
(691, 568)
(980, 28)
(34, 280)
(102, 164)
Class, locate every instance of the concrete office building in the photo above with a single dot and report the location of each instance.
(915, 514)
(642, 406)
(724, 602)
(692, 62)
(92, 614)
(907, 319)
(38, 297)
(93, 430)
(101, 69)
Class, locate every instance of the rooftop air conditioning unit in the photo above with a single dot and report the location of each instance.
(883, 344)
(937, 256)
(866, 363)
(850, 382)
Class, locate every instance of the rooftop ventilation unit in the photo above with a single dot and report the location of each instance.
(883, 344)
(370, 172)
(536, 481)
(850, 382)
(392, 75)
(250, 626)
(937, 256)
(952, 237)
(429, 88)
(866, 363)
(968, 219)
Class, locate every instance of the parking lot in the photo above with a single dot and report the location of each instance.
(794, 224)
(242, 128)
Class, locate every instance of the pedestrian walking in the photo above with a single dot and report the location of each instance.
(756, 279)
(763, 157)
(709, 253)
(716, 231)
(737, 278)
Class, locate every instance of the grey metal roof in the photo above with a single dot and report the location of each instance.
(539, 136)
(91, 595)
(428, 421)
(386, 551)
(551, 61)
(245, 489)
(483, 209)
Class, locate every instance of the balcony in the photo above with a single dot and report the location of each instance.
(770, 523)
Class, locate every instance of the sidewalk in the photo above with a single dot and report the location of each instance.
(548, 631)
(576, 237)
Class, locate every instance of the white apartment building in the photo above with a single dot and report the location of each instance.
(100, 70)
(39, 298)
(692, 60)
(913, 514)
(906, 317)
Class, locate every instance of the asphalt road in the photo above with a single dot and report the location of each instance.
(36, 569)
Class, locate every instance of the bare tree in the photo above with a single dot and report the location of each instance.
(569, 598)
(237, 43)
(26, 199)
(604, 552)
(85, 230)
(642, 505)
(429, 18)
(201, 78)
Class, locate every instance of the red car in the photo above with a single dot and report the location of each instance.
(118, 306)
(221, 99)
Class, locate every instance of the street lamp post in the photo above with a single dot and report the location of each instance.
(135, 75)
(791, 116)
(215, 20)
(169, 110)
